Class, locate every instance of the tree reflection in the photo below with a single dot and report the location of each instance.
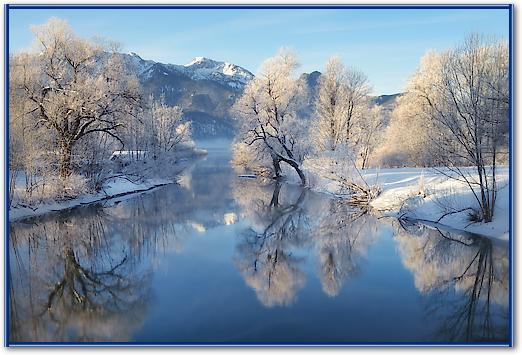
(342, 237)
(85, 275)
(73, 280)
(287, 222)
(264, 256)
(465, 277)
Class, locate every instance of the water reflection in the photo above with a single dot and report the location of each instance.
(465, 278)
(264, 254)
(147, 265)
(342, 236)
(70, 281)
(283, 226)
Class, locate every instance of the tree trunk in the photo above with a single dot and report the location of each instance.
(274, 202)
(364, 158)
(332, 136)
(276, 161)
(65, 159)
(297, 169)
(301, 175)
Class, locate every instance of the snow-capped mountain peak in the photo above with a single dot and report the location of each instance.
(199, 68)
(198, 61)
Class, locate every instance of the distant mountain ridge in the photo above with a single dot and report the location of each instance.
(200, 68)
(206, 89)
(383, 100)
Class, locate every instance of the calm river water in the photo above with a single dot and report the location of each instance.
(222, 259)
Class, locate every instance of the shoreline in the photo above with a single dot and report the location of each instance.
(424, 194)
(20, 214)
(118, 187)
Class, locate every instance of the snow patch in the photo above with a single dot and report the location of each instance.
(229, 69)
(115, 188)
(196, 60)
(426, 194)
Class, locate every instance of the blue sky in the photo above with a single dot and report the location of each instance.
(386, 44)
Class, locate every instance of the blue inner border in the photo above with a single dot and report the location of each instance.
(8, 7)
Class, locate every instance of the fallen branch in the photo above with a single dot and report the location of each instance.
(454, 212)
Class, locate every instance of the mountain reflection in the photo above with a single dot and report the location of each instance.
(465, 279)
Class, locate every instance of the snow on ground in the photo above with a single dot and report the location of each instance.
(115, 188)
(424, 194)
(427, 195)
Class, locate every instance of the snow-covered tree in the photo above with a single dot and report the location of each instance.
(463, 96)
(75, 87)
(371, 132)
(27, 145)
(331, 107)
(168, 129)
(341, 105)
(411, 146)
(343, 130)
(358, 90)
(268, 114)
(251, 158)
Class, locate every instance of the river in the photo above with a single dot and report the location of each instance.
(221, 259)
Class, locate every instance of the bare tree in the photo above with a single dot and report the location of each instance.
(465, 98)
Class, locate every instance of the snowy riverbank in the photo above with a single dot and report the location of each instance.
(425, 194)
(115, 188)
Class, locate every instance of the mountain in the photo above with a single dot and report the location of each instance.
(387, 103)
(310, 81)
(206, 90)
(386, 100)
